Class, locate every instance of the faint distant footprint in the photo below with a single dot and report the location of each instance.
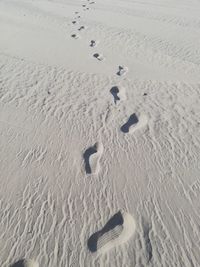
(93, 43)
(81, 28)
(25, 263)
(116, 231)
(99, 57)
(122, 70)
(134, 123)
(91, 157)
(118, 93)
(75, 36)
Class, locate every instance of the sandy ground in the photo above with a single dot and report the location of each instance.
(100, 133)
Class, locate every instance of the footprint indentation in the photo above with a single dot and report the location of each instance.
(81, 28)
(118, 93)
(92, 43)
(99, 57)
(25, 263)
(75, 36)
(116, 231)
(122, 70)
(134, 123)
(114, 91)
(73, 22)
(91, 158)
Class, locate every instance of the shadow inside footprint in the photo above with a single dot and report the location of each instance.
(114, 91)
(81, 28)
(116, 220)
(121, 71)
(25, 263)
(92, 43)
(20, 263)
(74, 36)
(90, 151)
(133, 119)
(97, 56)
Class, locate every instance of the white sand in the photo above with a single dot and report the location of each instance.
(56, 102)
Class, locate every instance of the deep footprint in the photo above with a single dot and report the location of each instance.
(122, 70)
(133, 119)
(91, 158)
(115, 232)
(114, 91)
(25, 263)
(99, 57)
(134, 123)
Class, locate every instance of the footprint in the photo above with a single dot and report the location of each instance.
(91, 157)
(83, 5)
(99, 57)
(122, 70)
(114, 91)
(92, 43)
(75, 36)
(73, 22)
(115, 232)
(81, 28)
(134, 123)
(118, 94)
(25, 263)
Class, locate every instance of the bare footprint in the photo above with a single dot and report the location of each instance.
(93, 43)
(99, 57)
(122, 70)
(75, 36)
(91, 157)
(115, 232)
(25, 263)
(134, 123)
(118, 93)
(74, 22)
(81, 28)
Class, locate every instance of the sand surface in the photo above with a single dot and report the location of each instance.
(100, 133)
